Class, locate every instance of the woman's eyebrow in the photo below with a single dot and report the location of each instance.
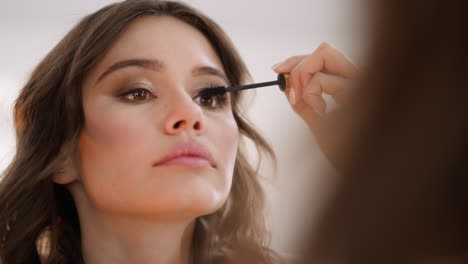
(157, 65)
(152, 64)
(207, 70)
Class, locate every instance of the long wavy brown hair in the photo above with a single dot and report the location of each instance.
(48, 118)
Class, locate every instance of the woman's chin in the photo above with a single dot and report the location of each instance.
(198, 203)
(181, 206)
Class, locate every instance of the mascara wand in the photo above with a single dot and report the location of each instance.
(282, 82)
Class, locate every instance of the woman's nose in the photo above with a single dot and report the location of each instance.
(184, 117)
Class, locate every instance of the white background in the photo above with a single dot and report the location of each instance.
(265, 32)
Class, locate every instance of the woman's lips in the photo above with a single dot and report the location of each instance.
(187, 161)
(188, 155)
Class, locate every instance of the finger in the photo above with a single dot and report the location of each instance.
(328, 59)
(288, 65)
(304, 109)
(313, 95)
(336, 86)
(295, 80)
(324, 59)
(293, 83)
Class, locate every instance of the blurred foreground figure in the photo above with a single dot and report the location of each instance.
(402, 195)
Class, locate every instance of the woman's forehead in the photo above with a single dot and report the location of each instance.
(166, 39)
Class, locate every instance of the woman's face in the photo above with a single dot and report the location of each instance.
(141, 105)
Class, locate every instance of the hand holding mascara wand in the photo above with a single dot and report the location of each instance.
(326, 71)
(282, 82)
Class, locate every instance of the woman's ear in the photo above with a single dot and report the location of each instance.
(67, 172)
(64, 176)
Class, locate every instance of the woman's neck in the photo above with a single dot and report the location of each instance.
(117, 238)
(107, 239)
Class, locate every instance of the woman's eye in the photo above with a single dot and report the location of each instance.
(211, 101)
(137, 95)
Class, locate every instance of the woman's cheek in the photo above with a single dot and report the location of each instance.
(111, 146)
(119, 126)
(228, 140)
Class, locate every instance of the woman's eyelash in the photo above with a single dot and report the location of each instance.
(137, 95)
(211, 102)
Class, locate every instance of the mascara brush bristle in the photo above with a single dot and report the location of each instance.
(213, 91)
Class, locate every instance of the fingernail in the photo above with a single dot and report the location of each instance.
(292, 96)
(276, 65)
